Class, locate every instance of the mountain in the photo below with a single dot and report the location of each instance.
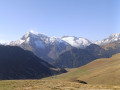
(112, 48)
(103, 71)
(16, 63)
(110, 39)
(47, 48)
(79, 57)
(76, 42)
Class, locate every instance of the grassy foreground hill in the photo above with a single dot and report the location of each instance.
(101, 74)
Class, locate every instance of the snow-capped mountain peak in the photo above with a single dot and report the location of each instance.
(43, 46)
(115, 36)
(76, 42)
(111, 38)
(41, 39)
(33, 34)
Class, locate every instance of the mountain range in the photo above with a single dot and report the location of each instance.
(50, 48)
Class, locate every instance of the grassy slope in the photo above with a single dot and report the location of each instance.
(101, 71)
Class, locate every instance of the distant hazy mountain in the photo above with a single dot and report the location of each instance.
(110, 39)
(16, 63)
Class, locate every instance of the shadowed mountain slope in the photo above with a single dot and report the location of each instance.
(16, 63)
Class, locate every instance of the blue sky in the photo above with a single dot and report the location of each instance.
(91, 19)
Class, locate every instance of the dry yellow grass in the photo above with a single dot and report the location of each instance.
(104, 71)
(49, 85)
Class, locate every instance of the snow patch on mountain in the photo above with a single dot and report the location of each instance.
(76, 42)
